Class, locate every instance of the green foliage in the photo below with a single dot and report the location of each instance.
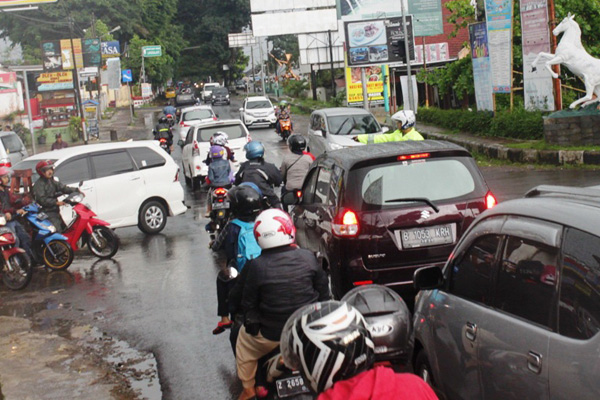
(294, 88)
(100, 30)
(339, 99)
(456, 76)
(518, 124)
(462, 14)
(75, 128)
(23, 133)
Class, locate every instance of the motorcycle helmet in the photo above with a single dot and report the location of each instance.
(297, 143)
(253, 186)
(4, 171)
(162, 120)
(406, 118)
(245, 201)
(43, 166)
(388, 319)
(283, 104)
(168, 116)
(274, 228)
(327, 342)
(254, 150)
(217, 152)
(219, 139)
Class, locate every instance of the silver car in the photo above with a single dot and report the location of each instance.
(515, 313)
(12, 149)
(333, 128)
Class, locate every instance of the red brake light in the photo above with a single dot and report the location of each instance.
(413, 156)
(298, 193)
(220, 191)
(6, 164)
(490, 200)
(345, 224)
(362, 283)
(215, 118)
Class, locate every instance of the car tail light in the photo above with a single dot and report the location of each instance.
(195, 149)
(5, 164)
(362, 283)
(413, 156)
(183, 125)
(345, 223)
(220, 191)
(490, 200)
(215, 119)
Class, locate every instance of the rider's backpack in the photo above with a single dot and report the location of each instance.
(248, 248)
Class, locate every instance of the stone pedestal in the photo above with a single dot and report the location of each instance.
(573, 128)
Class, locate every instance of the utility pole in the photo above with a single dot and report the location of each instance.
(331, 63)
(252, 61)
(76, 82)
(407, 52)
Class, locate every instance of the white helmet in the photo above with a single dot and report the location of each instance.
(274, 228)
(219, 138)
(406, 118)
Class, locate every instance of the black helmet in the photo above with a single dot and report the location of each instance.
(297, 143)
(388, 319)
(162, 120)
(327, 342)
(246, 202)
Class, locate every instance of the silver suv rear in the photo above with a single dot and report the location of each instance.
(12, 149)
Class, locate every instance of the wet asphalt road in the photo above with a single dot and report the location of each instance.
(159, 292)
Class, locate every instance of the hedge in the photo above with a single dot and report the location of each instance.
(518, 124)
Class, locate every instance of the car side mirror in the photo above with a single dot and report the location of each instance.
(180, 143)
(428, 278)
(385, 129)
(291, 198)
(319, 133)
(241, 109)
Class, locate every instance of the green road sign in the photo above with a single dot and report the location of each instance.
(151, 51)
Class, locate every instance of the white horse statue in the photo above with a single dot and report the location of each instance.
(571, 53)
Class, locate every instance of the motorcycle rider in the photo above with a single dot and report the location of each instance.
(278, 282)
(220, 139)
(263, 174)
(169, 109)
(219, 173)
(47, 189)
(163, 131)
(330, 344)
(295, 164)
(283, 112)
(9, 210)
(405, 119)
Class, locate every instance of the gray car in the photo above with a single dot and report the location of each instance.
(515, 313)
(333, 128)
(12, 149)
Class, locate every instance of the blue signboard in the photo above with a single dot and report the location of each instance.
(111, 49)
(126, 76)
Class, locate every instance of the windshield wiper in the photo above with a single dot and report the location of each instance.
(342, 125)
(421, 199)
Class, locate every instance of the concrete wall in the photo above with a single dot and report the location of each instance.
(582, 130)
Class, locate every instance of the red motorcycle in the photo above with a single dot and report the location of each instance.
(15, 265)
(100, 239)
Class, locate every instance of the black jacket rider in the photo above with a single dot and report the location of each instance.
(45, 192)
(264, 175)
(163, 130)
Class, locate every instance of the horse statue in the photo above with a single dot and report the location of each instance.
(571, 53)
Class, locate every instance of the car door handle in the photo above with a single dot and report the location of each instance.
(471, 331)
(534, 362)
(135, 178)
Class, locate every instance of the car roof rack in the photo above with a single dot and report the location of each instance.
(585, 192)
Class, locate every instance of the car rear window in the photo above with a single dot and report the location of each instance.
(195, 115)
(12, 143)
(253, 105)
(235, 131)
(220, 90)
(344, 124)
(435, 179)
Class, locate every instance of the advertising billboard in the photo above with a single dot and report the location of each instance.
(67, 53)
(374, 42)
(482, 70)
(499, 34)
(91, 52)
(374, 74)
(360, 9)
(49, 81)
(110, 49)
(51, 56)
(427, 17)
(8, 82)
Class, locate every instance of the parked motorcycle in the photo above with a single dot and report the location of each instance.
(48, 247)
(285, 128)
(219, 214)
(100, 239)
(16, 266)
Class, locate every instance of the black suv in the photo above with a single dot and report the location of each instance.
(376, 213)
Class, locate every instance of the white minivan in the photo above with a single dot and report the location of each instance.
(125, 183)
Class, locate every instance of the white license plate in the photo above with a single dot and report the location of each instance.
(220, 206)
(291, 386)
(430, 236)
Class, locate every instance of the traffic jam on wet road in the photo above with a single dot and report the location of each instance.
(493, 283)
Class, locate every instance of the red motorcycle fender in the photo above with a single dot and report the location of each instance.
(93, 222)
(12, 251)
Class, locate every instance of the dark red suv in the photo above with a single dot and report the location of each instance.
(376, 213)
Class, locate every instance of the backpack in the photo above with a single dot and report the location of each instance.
(248, 248)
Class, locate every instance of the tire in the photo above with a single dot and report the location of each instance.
(20, 277)
(152, 218)
(423, 369)
(64, 255)
(103, 242)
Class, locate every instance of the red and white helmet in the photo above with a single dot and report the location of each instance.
(274, 228)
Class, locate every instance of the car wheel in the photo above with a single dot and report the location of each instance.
(152, 217)
(423, 368)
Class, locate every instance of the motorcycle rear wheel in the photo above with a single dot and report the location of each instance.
(63, 255)
(21, 274)
(103, 242)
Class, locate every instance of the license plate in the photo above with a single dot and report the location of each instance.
(430, 236)
(291, 386)
(220, 206)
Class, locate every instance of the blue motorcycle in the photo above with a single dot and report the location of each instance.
(48, 246)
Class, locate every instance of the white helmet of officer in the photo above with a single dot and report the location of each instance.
(406, 118)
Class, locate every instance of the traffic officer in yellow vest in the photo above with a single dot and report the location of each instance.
(406, 131)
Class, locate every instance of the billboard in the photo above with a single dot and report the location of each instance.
(13, 3)
(375, 82)
(284, 5)
(536, 39)
(482, 70)
(113, 71)
(499, 34)
(49, 81)
(67, 54)
(361, 9)
(241, 39)
(8, 82)
(110, 49)
(287, 23)
(314, 48)
(427, 17)
(91, 52)
(434, 52)
(51, 56)
(373, 42)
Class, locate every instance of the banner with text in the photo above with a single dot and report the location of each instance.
(354, 91)
(535, 34)
(482, 70)
(50, 81)
(361, 9)
(427, 17)
(111, 49)
(499, 33)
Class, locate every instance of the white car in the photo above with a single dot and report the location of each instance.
(192, 116)
(197, 147)
(207, 90)
(258, 110)
(125, 183)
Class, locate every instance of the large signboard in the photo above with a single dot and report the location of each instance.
(91, 52)
(535, 34)
(427, 17)
(113, 72)
(434, 52)
(374, 42)
(360, 9)
(110, 49)
(51, 56)
(283, 5)
(13, 3)
(49, 81)
(482, 70)
(241, 39)
(283, 17)
(67, 53)
(8, 82)
(499, 32)
(314, 48)
(375, 82)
